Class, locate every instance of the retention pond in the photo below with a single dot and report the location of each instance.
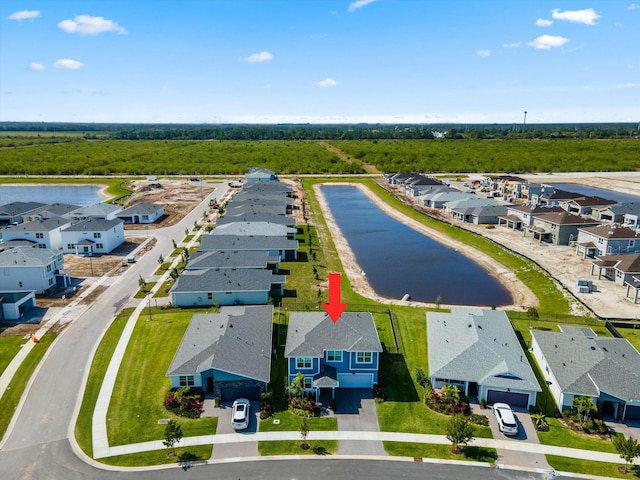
(398, 260)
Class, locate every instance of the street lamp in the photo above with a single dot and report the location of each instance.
(546, 398)
(149, 302)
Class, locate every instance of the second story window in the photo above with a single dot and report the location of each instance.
(334, 355)
(303, 362)
(97, 235)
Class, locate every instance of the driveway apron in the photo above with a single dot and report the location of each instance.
(241, 449)
(356, 411)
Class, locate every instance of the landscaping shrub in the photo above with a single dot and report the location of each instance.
(378, 393)
(185, 402)
(304, 406)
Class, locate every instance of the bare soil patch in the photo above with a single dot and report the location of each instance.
(99, 265)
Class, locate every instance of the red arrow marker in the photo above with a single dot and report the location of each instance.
(334, 308)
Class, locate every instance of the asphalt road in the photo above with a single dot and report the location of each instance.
(38, 447)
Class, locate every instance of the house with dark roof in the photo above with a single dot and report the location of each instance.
(257, 217)
(552, 196)
(15, 212)
(585, 205)
(93, 236)
(45, 233)
(558, 228)
(621, 269)
(577, 362)
(223, 286)
(51, 210)
(285, 248)
(331, 356)
(607, 240)
(14, 304)
(227, 353)
(244, 209)
(268, 188)
(522, 215)
(616, 213)
(478, 351)
(255, 229)
(141, 213)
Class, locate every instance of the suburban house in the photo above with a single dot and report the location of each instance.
(331, 356)
(232, 259)
(49, 211)
(621, 269)
(285, 248)
(268, 187)
(585, 205)
(482, 214)
(558, 228)
(99, 211)
(616, 213)
(552, 196)
(478, 351)
(632, 220)
(244, 209)
(438, 196)
(243, 286)
(93, 236)
(141, 213)
(15, 212)
(260, 175)
(607, 240)
(44, 233)
(576, 362)
(522, 215)
(255, 229)
(28, 269)
(13, 304)
(227, 353)
(257, 217)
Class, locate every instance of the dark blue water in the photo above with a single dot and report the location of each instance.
(399, 260)
(81, 195)
(596, 192)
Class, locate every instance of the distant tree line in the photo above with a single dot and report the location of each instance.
(114, 131)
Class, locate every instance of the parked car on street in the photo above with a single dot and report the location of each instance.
(506, 420)
(240, 417)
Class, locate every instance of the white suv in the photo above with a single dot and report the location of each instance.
(240, 418)
(506, 421)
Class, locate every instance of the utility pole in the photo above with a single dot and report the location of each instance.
(524, 122)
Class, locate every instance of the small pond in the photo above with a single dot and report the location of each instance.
(398, 260)
(81, 195)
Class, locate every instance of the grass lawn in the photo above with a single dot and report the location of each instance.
(143, 291)
(137, 401)
(163, 291)
(161, 457)
(291, 422)
(562, 436)
(425, 450)
(162, 268)
(11, 397)
(94, 382)
(9, 347)
(601, 469)
(631, 334)
(293, 447)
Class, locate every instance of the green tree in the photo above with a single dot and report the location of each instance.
(628, 448)
(142, 284)
(450, 394)
(304, 431)
(584, 406)
(174, 274)
(423, 379)
(540, 421)
(296, 389)
(172, 435)
(160, 259)
(459, 431)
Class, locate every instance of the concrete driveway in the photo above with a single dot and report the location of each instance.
(241, 449)
(526, 433)
(356, 411)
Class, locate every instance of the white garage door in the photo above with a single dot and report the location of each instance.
(355, 380)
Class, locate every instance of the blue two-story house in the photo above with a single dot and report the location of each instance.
(344, 354)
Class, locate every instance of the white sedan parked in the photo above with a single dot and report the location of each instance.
(506, 420)
(240, 417)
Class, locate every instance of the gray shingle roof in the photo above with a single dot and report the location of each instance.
(26, 257)
(566, 218)
(230, 259)
(93, 225)
(610, 231)
(255, 208)
(46, 225)
(586, 365)
(140, 209)
(226, 280)
(257, 217)
(236, 242)
(254, 228)
(96, 210)
(478, 346)
(311, 333)
(18, 208)
(237, 340)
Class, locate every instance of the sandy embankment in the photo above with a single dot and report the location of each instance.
(522, 296)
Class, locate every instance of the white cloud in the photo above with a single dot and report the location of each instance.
(633, 6)
(24, 15)
(511, 45)
(628, 85)
(88, 25)
(359, 4)
(483, 53)
(545, 42)
(541, 22)
(588, 16)
(327, 82)
(36, 66)
(68, 64)
(258, 57)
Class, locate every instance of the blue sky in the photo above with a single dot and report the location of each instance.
(320, 61)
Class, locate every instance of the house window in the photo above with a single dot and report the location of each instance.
(99, 246)
(303, 362)
(632, 243)
(48, 268)
(210, 296)
(145, 217)
(601, 240)
(97, 235)
(42, 245)
(39, 235)
(51, 281)
(70, 246)
(20, 284)
(308, 382)
(364, 357)
(186, 381)
(334, 355)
